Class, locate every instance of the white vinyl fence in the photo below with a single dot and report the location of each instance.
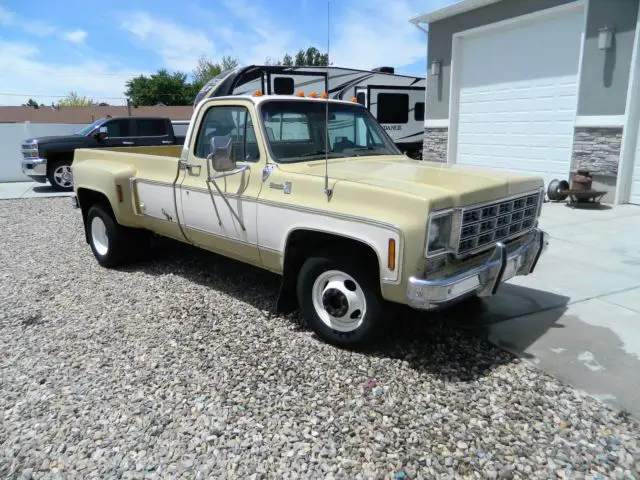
(11, 137)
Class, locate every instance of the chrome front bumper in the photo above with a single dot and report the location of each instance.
(36, 168)
(482, 280)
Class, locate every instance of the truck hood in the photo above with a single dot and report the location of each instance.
(59, 139)
(444, 185)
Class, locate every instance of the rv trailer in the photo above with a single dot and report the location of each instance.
(396, 101)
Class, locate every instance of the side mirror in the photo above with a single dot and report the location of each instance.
(221, 155)
(101, 134)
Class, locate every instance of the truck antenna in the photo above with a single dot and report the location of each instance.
(328, 191)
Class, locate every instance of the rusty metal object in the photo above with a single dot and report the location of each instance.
(581, 181)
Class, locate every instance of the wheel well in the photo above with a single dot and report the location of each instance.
(53, 158)
(87, 198)
(303, 243)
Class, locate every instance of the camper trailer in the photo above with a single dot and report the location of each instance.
(396, 101)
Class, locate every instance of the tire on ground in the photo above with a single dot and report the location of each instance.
(58, 174)
(337, 329)
(111, 243)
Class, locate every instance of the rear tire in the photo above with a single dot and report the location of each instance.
(340, 301)
(111, 243)
(60, 176)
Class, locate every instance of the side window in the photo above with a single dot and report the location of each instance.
(118, 128)
(151, 127)
(288, 127)
(418, 112)
(393, 108)
(228, 123)
(283, 85)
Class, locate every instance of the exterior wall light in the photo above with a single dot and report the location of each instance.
(605, 38)
(435, 68)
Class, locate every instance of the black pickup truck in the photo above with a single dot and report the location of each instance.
(50, 158)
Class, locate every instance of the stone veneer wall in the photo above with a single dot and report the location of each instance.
(597, 149)
(434, 147)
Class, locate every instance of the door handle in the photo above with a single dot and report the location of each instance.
(166, 141)
(128, 143)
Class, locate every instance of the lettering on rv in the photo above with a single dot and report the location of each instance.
(392, 127)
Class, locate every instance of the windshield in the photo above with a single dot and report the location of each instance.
(84, 131)
(296, 129)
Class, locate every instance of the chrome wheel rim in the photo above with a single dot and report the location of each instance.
(99, 236)
(62, 176)
(339, 301)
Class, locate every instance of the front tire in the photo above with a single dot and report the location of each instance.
(340, 301)
(60, 176)
(110, 242)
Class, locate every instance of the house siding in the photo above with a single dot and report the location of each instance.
(605, 75)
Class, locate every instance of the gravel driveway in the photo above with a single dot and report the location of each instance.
(179, 368)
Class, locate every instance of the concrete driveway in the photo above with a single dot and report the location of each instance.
(10, 190)
(578, 316)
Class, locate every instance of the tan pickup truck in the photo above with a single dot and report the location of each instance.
(316, 191)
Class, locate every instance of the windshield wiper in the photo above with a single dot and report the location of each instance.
(318, 152)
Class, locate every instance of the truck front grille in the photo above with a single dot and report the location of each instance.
(500, 221)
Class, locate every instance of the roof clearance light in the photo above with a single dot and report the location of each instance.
(257, 93)
(300, 94)
(354, 99)
(324, 95)
(313, 94)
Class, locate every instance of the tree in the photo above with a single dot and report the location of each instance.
(161, 87)
(311, 57)
(206, 70)
(75, 100)
(31, 103)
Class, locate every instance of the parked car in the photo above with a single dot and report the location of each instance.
(351, 228)
(50, 158)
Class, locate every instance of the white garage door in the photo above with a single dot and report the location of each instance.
(517, 95)
(635, 179)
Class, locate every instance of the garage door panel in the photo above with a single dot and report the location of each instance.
(517, 96)
(635, 178)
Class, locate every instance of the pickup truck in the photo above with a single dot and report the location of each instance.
(315, 191)
(50, 158)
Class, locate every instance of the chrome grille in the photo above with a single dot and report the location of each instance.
(483, 226)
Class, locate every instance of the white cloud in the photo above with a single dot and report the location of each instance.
(76, 36)
(6, 17)
(179, 46)
(45, 81)
(373, 33)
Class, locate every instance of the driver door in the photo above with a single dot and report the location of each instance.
(218, 209)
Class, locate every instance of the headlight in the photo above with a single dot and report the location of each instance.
(439, 233)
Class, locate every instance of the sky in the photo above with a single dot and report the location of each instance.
(48, 49)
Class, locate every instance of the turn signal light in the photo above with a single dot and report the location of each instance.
(391, 255)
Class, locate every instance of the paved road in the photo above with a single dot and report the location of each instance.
(578, 316)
